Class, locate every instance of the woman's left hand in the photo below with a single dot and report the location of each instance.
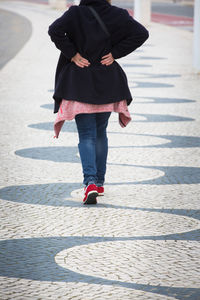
(107, 59)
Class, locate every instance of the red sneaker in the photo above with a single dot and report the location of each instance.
(100, 190)
(91, 194)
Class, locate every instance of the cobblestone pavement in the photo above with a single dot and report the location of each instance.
(142, 239)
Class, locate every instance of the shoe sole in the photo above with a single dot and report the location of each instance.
(100, 194)
(91, 198)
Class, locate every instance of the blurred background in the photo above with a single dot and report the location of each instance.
(182, 14)
(171, 12)
(162, 10)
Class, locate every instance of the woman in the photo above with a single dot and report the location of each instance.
(89, 83)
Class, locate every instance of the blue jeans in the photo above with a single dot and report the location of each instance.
(93, 146)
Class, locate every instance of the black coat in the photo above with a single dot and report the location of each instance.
(77, 30)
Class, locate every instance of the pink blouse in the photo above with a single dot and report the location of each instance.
(69, 109)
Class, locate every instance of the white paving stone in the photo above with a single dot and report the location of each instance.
(142, 239)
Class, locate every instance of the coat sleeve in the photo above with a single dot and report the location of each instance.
(135, 34)
(59, 34)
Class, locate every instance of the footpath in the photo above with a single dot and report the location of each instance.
(142, 240)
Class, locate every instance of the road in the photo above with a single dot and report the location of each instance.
(162, 7)
(172, 14)
(15, 30)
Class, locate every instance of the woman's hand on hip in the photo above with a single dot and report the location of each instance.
(107, 59)
(80, 61)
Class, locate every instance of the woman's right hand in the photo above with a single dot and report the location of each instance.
(107, 59)
(80, 61)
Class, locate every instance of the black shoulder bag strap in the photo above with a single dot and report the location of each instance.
(96, 15)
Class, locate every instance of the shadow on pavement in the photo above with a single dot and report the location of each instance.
(135, 75)
(59, 195)
(151, 58)
(157, 100)
(34, 259)
(172, 174)
(128, 65)
(174, 141)
(51, 194)
(149, 85)
(71, 126)
(153, 100)
(162, 118)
